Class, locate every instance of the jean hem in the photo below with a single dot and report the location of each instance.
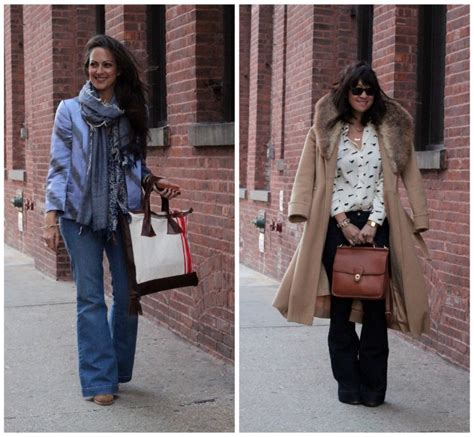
(123, 379)
(99, 390)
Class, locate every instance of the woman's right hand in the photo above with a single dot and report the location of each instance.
(351, 233)
(51, 238)
(51, 231)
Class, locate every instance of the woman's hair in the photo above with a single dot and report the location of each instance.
(350, 77)
(129, 89)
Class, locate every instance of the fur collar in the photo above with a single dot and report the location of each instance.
(396, 130)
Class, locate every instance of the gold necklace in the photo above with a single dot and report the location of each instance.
(356, 144)
(357, 130)
(356, 138)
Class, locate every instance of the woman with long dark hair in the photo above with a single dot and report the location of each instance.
(97, 166)
(346, 189)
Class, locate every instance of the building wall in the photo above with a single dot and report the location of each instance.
(14, 110)
(205, 314)
(244, 73)
(448, 199)
(47, 68)
(310, 46)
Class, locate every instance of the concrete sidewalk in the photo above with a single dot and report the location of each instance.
(176, 386)
(286, 383)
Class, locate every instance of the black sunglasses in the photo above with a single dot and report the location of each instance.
(357, 91)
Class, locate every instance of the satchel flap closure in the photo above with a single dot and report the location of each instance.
(360, 261)
(358, 273)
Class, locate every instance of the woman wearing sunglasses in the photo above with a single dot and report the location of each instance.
(346, 190)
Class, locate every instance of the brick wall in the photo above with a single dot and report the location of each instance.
(448, 200)
(209, 65)
(14, 114)
(394, 52)
(127, 23)
(244, 72)
(54, 38)
(205, 314)
(304, 65)
(309, 52)
(14, 89)
(261, 35)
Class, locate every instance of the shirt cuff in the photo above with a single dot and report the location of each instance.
(377, 217)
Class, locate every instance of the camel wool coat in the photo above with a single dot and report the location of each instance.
(304, 291)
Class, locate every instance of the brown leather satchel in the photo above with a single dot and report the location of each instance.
(360, 272)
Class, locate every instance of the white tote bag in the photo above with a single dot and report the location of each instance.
(157, 249)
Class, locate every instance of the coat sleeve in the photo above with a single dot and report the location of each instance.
(60, 160)
(416, 194)
(302, 193)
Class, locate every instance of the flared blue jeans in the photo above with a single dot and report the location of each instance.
(106, 339)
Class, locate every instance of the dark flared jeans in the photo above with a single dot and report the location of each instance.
(359, 365)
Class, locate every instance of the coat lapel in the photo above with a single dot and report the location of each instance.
(326, 138)
(397, 132)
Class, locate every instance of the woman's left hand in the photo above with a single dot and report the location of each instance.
(168, 193)
(367, 234)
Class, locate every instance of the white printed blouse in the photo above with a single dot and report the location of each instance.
(358, 185)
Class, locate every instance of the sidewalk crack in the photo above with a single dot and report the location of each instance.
(198, 401)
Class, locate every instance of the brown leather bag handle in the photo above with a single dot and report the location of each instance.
(147, 228)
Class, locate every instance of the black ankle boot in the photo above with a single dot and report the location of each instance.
(349, 397)
(372, 399)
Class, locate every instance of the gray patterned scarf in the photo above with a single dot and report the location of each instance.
(102, 119)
